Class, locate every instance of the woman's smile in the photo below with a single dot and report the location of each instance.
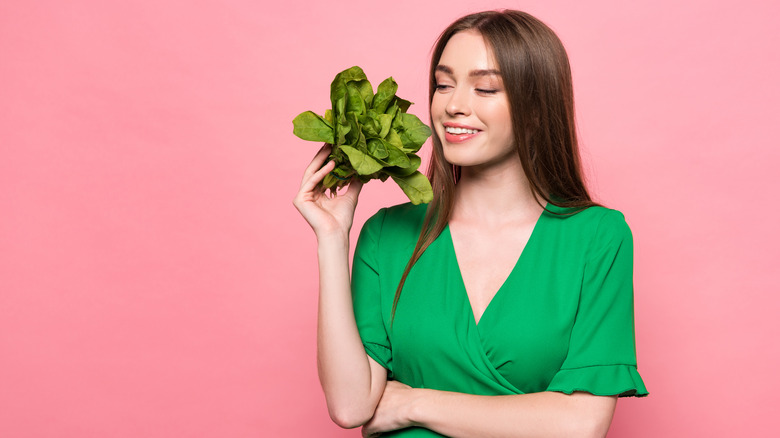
(457, 133)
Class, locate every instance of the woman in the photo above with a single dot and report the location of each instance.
(505, 306)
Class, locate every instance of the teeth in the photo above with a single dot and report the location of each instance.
(452, 130)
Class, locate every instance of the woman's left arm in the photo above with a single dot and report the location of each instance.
(542, 414)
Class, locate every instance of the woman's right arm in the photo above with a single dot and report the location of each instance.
(352, 381)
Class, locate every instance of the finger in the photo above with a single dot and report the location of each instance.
(367, 432)
(354, 188)
(317, 177)
(316, 162)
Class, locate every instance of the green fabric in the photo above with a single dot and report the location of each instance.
(562, 321)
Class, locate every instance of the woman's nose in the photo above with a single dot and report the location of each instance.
(459, 103)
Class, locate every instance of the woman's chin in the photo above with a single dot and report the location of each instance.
(460, 158)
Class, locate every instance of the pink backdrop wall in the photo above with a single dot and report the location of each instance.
(156, 281)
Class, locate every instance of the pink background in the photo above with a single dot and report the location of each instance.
(156, 281)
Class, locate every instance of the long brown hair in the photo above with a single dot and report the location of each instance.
(537, 78)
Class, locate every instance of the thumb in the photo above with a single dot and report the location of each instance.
(354, 188)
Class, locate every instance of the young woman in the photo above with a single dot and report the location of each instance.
(505, 306)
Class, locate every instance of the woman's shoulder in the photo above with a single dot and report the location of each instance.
(594, 226)
(591, 216)
(397, 220)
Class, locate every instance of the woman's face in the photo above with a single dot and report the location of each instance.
(470, 109)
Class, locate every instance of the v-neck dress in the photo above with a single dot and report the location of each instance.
(562, 321)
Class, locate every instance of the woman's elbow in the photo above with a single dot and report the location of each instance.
(349, 418)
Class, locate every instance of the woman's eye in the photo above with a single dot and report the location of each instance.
(442, 87)
(486, 91)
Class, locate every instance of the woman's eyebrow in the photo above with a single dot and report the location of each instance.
(444, 69)
(486, 72)
(473, 73)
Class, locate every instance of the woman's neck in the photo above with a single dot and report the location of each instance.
(495, 195)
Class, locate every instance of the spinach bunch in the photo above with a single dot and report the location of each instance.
(373, 136)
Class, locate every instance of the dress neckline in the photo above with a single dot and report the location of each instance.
(470, 309)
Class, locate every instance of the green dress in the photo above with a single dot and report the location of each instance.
(562, 321)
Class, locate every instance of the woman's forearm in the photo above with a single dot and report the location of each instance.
(544, 414)
(344, 368)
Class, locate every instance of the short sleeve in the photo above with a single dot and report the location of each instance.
(366, 292)
(602, 354)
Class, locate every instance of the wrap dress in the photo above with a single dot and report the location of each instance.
(562, 321)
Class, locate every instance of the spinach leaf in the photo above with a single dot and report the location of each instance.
(414, 164)
(361, 162)
(412, 131)
(310, 126)
(395, 156)
(355, 102)
(416, 187)
(377, 148)
(385, 93)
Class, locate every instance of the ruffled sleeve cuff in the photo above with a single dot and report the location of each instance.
(620, 380)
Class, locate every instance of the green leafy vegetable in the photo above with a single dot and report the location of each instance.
(310, 126)
(373, 136)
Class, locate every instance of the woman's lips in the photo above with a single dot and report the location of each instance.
(460, 138)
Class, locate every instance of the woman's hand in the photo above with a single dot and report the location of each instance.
(325, 214)
(393, 410)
